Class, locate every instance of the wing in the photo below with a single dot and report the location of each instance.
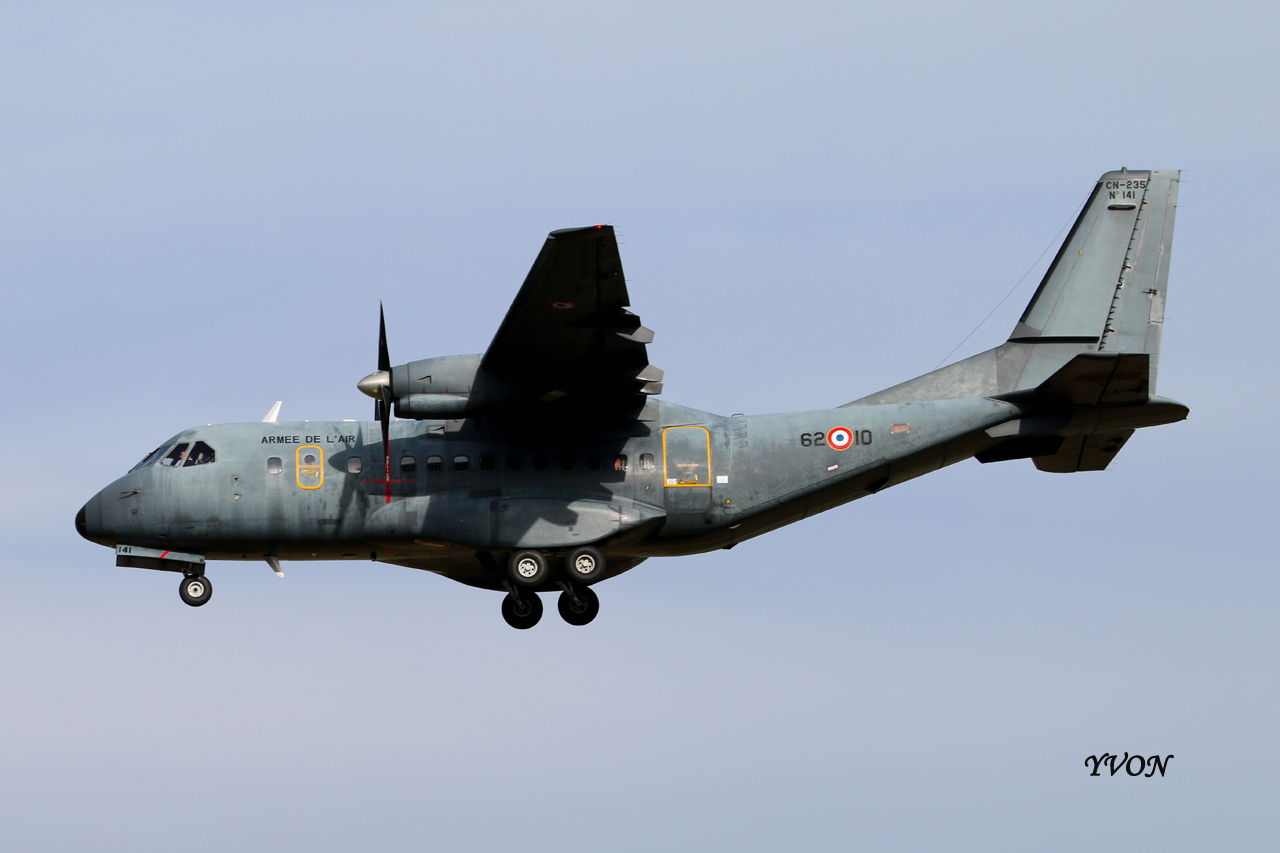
(568, 334)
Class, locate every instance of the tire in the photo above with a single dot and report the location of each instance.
(195, 590)
(584, 611)
(584, 565)
(522, 620)
(528, 569)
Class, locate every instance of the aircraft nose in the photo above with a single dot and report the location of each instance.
(89, 519)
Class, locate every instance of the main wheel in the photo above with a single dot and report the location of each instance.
(195, 590)
(527, 568)
(579, 608)
(523, 612)
(584, 565)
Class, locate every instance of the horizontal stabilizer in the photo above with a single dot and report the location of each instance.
(1084, 453)
(1082, 415)
(1099, 379)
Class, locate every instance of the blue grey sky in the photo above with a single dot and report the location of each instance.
(201, 206)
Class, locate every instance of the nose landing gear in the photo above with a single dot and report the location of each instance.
(195, 590)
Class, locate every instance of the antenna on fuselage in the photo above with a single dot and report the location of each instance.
(271, 415)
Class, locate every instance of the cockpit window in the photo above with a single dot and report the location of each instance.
(201, 454)
(174, 458)
(151, 457)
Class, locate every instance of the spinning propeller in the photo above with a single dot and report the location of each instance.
(378, 386)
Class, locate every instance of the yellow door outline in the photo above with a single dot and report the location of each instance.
(678, 485)
(315, 471)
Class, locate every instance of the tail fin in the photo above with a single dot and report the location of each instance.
(1104, 292)
(1106, 288)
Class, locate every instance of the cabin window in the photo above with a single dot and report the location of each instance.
(515, 462)
(593, 461)
(408, 464)
(309, 459)
(174, 459)
(201, 454)
(461, 463)
(275, 465)
(487, 463)
(620, 462)
(566, 461)
(354, 465)
(540, 461)
(434, 464)
(646, 462)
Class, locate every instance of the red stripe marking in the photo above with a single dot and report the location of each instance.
(162, 556)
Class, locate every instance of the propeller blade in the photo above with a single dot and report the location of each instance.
(384, 357)
(384, 404)
(378, 386)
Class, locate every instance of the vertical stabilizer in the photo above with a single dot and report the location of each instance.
(1103, 293)
(1106, 287)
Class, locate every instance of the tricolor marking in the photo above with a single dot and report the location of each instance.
(839, 438)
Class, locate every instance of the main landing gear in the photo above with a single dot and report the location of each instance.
(528, 571)
(196, 590)
(578, 604)
(522, 610)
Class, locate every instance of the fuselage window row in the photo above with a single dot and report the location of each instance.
(202, 454)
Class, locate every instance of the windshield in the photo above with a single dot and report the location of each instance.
(150, 458)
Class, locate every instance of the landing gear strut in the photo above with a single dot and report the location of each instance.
(578, 605)
(195, 590)
(521, 610)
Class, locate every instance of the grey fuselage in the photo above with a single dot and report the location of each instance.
(1070, 386)
(623, 491)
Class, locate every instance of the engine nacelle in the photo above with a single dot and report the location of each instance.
(446, 387)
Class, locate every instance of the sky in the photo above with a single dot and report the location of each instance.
(201, 207)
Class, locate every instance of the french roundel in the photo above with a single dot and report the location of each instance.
(839, 438)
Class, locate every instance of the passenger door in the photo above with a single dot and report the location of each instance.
(686, 469)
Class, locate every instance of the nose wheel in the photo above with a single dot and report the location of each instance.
(578, 605)
(522, 611)
(195, 590)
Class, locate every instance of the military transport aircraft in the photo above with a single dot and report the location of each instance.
(546, 464)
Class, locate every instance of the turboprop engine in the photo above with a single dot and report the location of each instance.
(448, 386)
